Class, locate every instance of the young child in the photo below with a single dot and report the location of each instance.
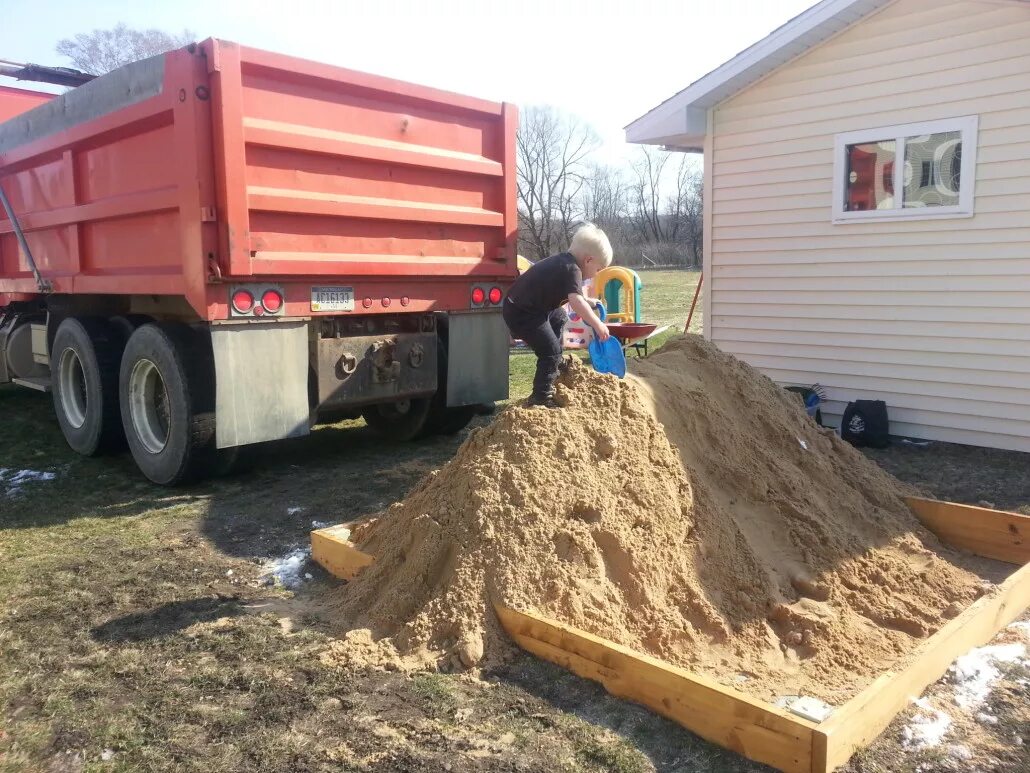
(533, 309)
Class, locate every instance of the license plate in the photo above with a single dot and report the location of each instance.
(332, 299)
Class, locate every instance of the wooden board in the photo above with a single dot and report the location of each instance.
(332, 549)
(757, 730)
(994, 534)
(864, 717)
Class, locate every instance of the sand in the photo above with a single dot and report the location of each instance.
(692, 512)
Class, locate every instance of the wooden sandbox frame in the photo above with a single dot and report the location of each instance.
(749, 726)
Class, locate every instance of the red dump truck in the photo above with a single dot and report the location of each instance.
(216, 246)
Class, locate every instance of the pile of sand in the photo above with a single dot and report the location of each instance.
(692, 512)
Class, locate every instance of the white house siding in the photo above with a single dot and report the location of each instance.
(931, 316)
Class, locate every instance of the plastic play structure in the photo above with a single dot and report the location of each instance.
(620, 289)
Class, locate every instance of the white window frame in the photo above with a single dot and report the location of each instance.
(967, 125)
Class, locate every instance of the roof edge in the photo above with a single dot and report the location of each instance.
(751, 64)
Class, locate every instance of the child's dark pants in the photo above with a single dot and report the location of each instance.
(544, 337)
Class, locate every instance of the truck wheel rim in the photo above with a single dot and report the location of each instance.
(73, 388)
(148, 406)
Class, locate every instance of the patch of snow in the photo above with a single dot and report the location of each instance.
(959, 752)
(975, 673)
(288, 570)
(107, 755)
(804, 445)
(1023, 626)
(294, 510)
(927, 728)
(13, 480)
(987, 719)
(319, 524)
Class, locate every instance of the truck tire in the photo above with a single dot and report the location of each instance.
(127, 323)
(166, 386)
(398, 421)
(84, 362)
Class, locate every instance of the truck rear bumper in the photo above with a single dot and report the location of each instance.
(365, 370)
(273, 376)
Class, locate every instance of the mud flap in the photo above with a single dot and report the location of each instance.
(477, 358)
(261, 389)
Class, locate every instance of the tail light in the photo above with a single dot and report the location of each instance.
(257, 300)
(243, 301)
(495, 295)
(478, 296)
(272, 300)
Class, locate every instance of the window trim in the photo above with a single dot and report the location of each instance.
(968, 126)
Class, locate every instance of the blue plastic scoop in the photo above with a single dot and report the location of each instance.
(607, 356)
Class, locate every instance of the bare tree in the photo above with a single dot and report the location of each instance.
(666, 208)
(101, 51)
(686, 207)
(553, 149)
(605, 196)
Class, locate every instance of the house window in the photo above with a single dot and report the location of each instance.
(919, 170)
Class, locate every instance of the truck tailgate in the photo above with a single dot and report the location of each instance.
(326, 171)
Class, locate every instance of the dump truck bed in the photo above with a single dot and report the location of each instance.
(220, 164)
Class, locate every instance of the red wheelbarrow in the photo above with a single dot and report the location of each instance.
(635, 334)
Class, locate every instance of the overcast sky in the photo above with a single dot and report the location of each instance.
(608, 62)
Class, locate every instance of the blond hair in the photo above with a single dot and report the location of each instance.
(591, 242)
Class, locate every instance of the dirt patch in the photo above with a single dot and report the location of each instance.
(759, 549)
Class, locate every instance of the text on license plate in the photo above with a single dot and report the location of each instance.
(332, 299)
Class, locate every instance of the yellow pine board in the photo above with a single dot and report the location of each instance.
(864, 717)
(995, 534)
(757, 730)
(334, 552)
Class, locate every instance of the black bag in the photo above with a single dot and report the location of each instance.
(865, 424)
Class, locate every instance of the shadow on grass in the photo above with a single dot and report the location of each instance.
(336, 474)
(666, 745)
(167, 619)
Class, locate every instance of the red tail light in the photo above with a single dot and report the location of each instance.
(405, 300)
(386, 303)
(495, 295)
(272, 301)
(478, 296)
(242, 301)
(367, 303)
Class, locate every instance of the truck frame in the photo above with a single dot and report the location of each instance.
(221, 246)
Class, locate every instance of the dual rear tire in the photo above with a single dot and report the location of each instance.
(84, 362)
(166, 387)
(151, 387)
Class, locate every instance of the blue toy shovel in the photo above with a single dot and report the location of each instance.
(607, 356)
